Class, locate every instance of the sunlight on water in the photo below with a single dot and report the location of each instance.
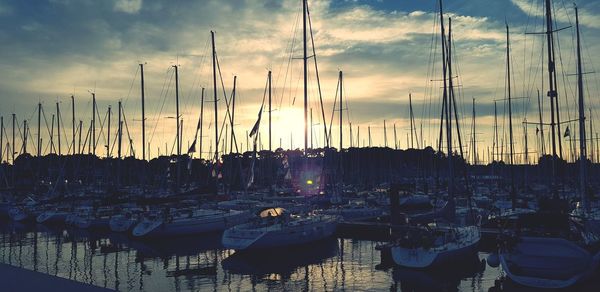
(200, 263)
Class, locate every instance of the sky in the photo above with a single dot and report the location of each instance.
(386, 49)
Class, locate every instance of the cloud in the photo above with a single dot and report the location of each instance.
(128, 6)
(562, 13)
(62, 47)
(5, 9)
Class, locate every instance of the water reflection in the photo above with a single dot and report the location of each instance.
(446, 278)
(200, 263)
(280, 261)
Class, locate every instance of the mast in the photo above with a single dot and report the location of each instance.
(451, 95)
(233, 115)
(543, 142)
(94, 123)
(214, 58)
(305, 59)
(358, 136)
(447, 109)
(582, 141)
(120, 132)
(119, 140)
(178, 125)
(512, 172)
(270, 149)
(311, 128)
(474, 137)
(39, 132)
(90, 140)
(384, 134)
(201, 120)
(14, 121)
(496, 142)
(52, 136)
(351, 137)
(341, 107)
(143, 113)
(327, 137)
(369, 128)
(1, 139)
(107, 135)
(80, 130)
(592, 137)
(526, 146)
(552, 92)
(395, 138)
(58, 126)
(24, 136)
(73, 122)
(410, 116)
(178, 142)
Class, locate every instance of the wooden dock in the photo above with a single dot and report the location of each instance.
(15, 279)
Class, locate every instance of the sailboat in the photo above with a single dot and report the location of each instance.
(548, 249)
(276, 227)
(435, 244)
(181, 222)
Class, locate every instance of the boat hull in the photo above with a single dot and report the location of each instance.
(426, 258)
(159, 228)
(52, 217)
(122, 224)
(18, 215)
(547, 263)
(251, 240)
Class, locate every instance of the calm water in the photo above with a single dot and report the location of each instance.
(201, 264)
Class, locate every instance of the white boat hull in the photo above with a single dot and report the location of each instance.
(122, 224)
(425, 258)
(52, 217)
(240, 239)
(17, 214)
(547, 263)
(160, 228)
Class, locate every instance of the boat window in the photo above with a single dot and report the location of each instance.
(272, 212)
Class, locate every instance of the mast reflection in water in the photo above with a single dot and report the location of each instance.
(201, 264)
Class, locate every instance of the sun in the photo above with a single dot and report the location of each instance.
(288, 125)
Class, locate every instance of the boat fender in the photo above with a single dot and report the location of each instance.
(493, 260)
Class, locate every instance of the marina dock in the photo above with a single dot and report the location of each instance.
(22, 280)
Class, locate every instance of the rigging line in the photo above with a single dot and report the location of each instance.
(115, 140)
(312, 40)
(101, 129)
(565, 86)
(589, 64)
(346, 100)
(157, 116)
(30, 140)
(199, 68)
(47, 128)
(334, 107)
(431, 71)
(463, 116)
(513, 75)
(193, 90)
(227, 112)
(99, 134)
(132, 81)
(60, 119)
(85, 141)
(291, 44)
(132, 152)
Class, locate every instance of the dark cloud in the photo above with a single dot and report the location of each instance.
(59, 47)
